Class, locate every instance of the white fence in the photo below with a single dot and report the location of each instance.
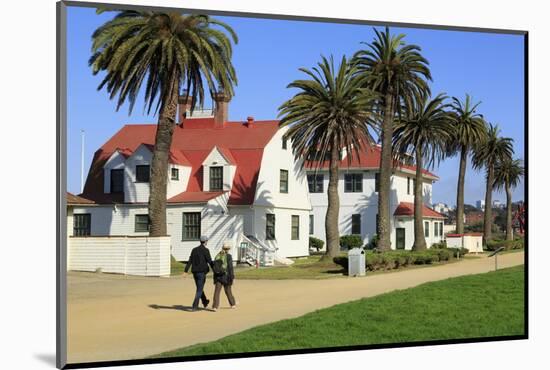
(129, 255)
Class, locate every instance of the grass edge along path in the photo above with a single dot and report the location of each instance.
(472, 306)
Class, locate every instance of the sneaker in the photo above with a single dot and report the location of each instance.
(206, 304)
(215, 310)
(235, 306)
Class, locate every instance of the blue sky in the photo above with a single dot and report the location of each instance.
(488, 66)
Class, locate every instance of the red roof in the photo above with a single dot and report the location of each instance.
(194, 141)
(194, 197)
(369, 158)
(407, 209)
(75, 199)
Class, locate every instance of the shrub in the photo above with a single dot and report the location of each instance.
(441, 245)
(373, 261)
(373, 242)
(461, 251)
(387, 261)
(316, 243)
(507, 244)
(444, 254)
(342, 261)
(351, 241)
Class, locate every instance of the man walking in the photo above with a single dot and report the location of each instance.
(198, 262)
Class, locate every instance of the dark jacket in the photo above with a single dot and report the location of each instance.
(228, 277)
(199, 260)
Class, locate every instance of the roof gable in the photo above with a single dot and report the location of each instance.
(239, 143)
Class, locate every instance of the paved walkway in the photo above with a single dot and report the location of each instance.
(113, 317)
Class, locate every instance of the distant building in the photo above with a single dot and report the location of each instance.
(480, 204)
(441, 208)
(498, 204)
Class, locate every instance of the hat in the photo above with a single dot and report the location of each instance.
(226, 246)
(204, 238)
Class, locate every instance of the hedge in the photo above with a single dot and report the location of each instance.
(398, 259)
(316, 243)
(351, 241)
(507, 244)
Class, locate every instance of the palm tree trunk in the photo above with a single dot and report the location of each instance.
(333, 209)
(159, 164)
(488, 216)
(460, 191)
(509, 233)
(419, 240)
(383, 231)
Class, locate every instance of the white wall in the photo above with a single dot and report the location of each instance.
(216, 159)
(275, 159)
(174, 187)
(269, 199)
(366, 204)
(144, 256)
(136, 192)
(286, 247)
(217, 223)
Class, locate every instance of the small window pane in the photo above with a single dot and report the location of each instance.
(117, 181)
(284, 143)
(175, 174)
(353, 183)
(426, 229)
(315, 183)
(356, 224)
(82, 224)
(142, 173)
(191, 226)
(311, 229)
(270, 226)
(141, 223)
(283, 183)
(216, 178)
(377, 182)
(295, 227)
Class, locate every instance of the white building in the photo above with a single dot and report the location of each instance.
(358, 191)
(235, 182)
(498, 204)
(480, 204)
(441, 208)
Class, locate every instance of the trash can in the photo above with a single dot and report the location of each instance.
(356, 262)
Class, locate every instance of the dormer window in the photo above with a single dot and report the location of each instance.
(284, 143)
(117, 180)
(142, 173)
(216, 178)
(175, 174)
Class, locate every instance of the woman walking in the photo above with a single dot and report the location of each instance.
(223, 277)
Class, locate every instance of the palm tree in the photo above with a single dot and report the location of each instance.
(469, 129)
(329, 114)
(398, 73)
(508, 174)
(171, 51)
(492, 151)
(424, 130)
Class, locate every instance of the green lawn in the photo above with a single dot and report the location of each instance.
(302, 268)
(176, 268)
(312, 268)
(473, 306)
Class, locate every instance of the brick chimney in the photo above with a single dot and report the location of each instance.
(184, 104)
(249, 122)
(221, 114)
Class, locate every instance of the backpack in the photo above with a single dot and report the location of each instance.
(218, 267)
